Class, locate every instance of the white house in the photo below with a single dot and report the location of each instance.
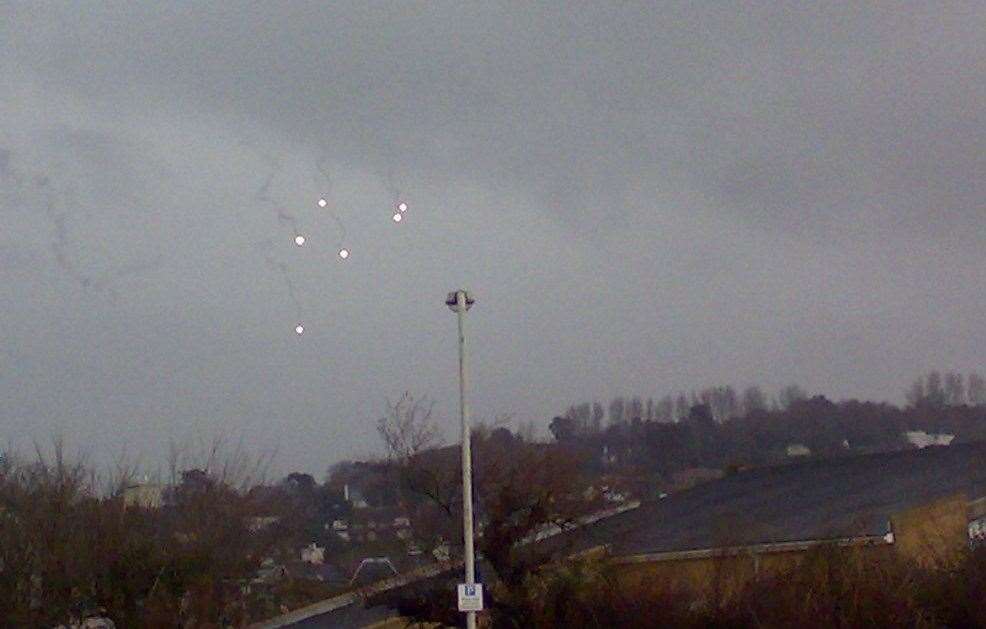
(442, 552)
(260, 522)
(147, 495)
(798, 449)
(921, 439)
(977, 531)
(313, 554)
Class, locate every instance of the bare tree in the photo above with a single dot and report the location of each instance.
(916, 394)
(790, 394)
(528, 430)
(664, 411)
(954, 389)
(754, 400)
(934, 393)
(616, 411)
(597, 417)
(681, 407)
(976, 390)
(220, 461)
(521, 489)
(408, 429)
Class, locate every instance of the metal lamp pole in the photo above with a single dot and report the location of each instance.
(459, 302)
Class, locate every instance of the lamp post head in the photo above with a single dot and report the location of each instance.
(453, 300)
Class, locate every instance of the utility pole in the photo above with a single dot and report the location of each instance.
(459, 302)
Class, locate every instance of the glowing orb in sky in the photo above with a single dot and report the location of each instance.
(299, 240)
(402, 207)
(299, 329)
(322, 203)
(344, 253)
(398, 217)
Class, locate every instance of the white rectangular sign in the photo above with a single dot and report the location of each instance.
(470, 597)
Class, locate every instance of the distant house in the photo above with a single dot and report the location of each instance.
(95, 621)
(354, 496)
(270, 571)
(442, 552)
(147, 495)
(977, 532)
(90, 619)
(921, 439)
(798, 449)
(606, 458)
(611, 495)
(260, 522)
(375, 523)
(977, 523)
(313, 554)
(402, 527)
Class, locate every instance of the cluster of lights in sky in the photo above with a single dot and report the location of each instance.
(399, 214)
(56, 201)
(301, 240)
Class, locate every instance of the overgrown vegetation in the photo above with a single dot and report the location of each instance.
(72, 544)
(829, 588)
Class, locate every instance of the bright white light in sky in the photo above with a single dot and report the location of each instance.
(299, 329)
(398, 217)
(402, 207)
(299, 240)
(322, 203)
(344, 253)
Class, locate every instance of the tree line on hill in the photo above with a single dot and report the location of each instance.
(722, 401)
(719, 428)
(934, 389)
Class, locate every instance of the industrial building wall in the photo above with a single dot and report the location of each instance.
(932, 535)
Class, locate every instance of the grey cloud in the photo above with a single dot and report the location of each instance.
(646, 196)
(775, 110)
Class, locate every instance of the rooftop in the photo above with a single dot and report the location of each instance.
(818, 499)
(814, 499)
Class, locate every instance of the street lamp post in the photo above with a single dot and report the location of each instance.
(459, 302)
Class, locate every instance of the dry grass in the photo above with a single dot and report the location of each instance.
(830, 588)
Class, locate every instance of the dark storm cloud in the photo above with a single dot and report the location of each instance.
(777, 111)
(684, 194)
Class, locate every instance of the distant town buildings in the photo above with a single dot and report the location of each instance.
(259, 523)
(921, 439)
(798, 449)
(313, 554)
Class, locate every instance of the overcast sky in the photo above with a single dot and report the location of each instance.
(642, 199)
